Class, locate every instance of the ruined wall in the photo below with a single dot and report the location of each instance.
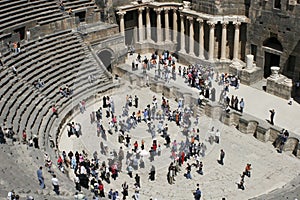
(283, 24)
(220, 7)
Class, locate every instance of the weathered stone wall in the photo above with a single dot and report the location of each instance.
(283, 24)
(220, 7)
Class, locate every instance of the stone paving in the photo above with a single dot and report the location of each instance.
(270, 169)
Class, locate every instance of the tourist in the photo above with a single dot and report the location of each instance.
(217, 136)
(136, 192)
(188, 171)
(152, 173)
(272, 111)
(222, 156)
(55, 184)
(54, 111)
(197, 193)
(137, 180)
(125, 190)
(41, 177)
(247, 170)
(242, 105)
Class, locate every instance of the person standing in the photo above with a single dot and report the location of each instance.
(242, 105)
(197, 194)
(152, 173)
(41, 177)
(55, 184)
(217, 136)
(272, 116)
(222, 156)
(136, 101)
(125, 190)
(188, 171)
(137, 180)
(136, 192)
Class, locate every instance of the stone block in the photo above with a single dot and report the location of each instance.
(262, 132)
(280, 86)
(247, 76)
(291, 144)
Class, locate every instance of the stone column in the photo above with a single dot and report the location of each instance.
(236, 40)
(141, 28)
(191, 43)
(182, 36)
(122, 23)
(167, 32)
(249, 61)
(175, 28)
(148, 24)
(158, 25)
(211, 40)
(201, 38)
(224, 39)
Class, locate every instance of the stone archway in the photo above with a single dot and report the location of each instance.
(107, 58)
(272, 52)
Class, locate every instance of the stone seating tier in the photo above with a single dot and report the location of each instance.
(18, 172)
(29, 72)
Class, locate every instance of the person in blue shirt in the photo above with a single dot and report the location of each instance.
(41, 177)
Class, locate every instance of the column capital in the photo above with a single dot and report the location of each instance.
(237, 24)
(224, 24)
(211, 24)
(182, 16)
(147, 9)
(140, 9)
(166, 10)
(190, 18)
(121, 13)
(200, 20)
(174, 10)
(157, 9)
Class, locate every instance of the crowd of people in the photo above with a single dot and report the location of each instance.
(93, 173)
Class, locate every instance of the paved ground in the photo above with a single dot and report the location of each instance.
(270, 169)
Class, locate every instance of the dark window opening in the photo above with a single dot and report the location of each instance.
(277, 4)
(21, 32)
(81, 16)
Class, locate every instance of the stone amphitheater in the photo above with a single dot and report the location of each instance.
(83, 45)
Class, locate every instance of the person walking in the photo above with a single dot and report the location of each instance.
(222, 156)
(55, 184)
(272, 116)
(41, 177)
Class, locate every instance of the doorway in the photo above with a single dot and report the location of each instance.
(107, 58)
(270, 60)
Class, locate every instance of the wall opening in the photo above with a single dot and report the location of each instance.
(107, 58)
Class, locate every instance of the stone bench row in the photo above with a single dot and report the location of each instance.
(65, 112)
(39, 94)
(32, 16)
(66, 78)
(249, 124)
(28, 72)
(36, 44)
(48, 84)
(44, 124)
(19, 10)
(54, 87)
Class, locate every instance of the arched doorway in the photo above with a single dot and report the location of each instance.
(273, 50)
(106, 56)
